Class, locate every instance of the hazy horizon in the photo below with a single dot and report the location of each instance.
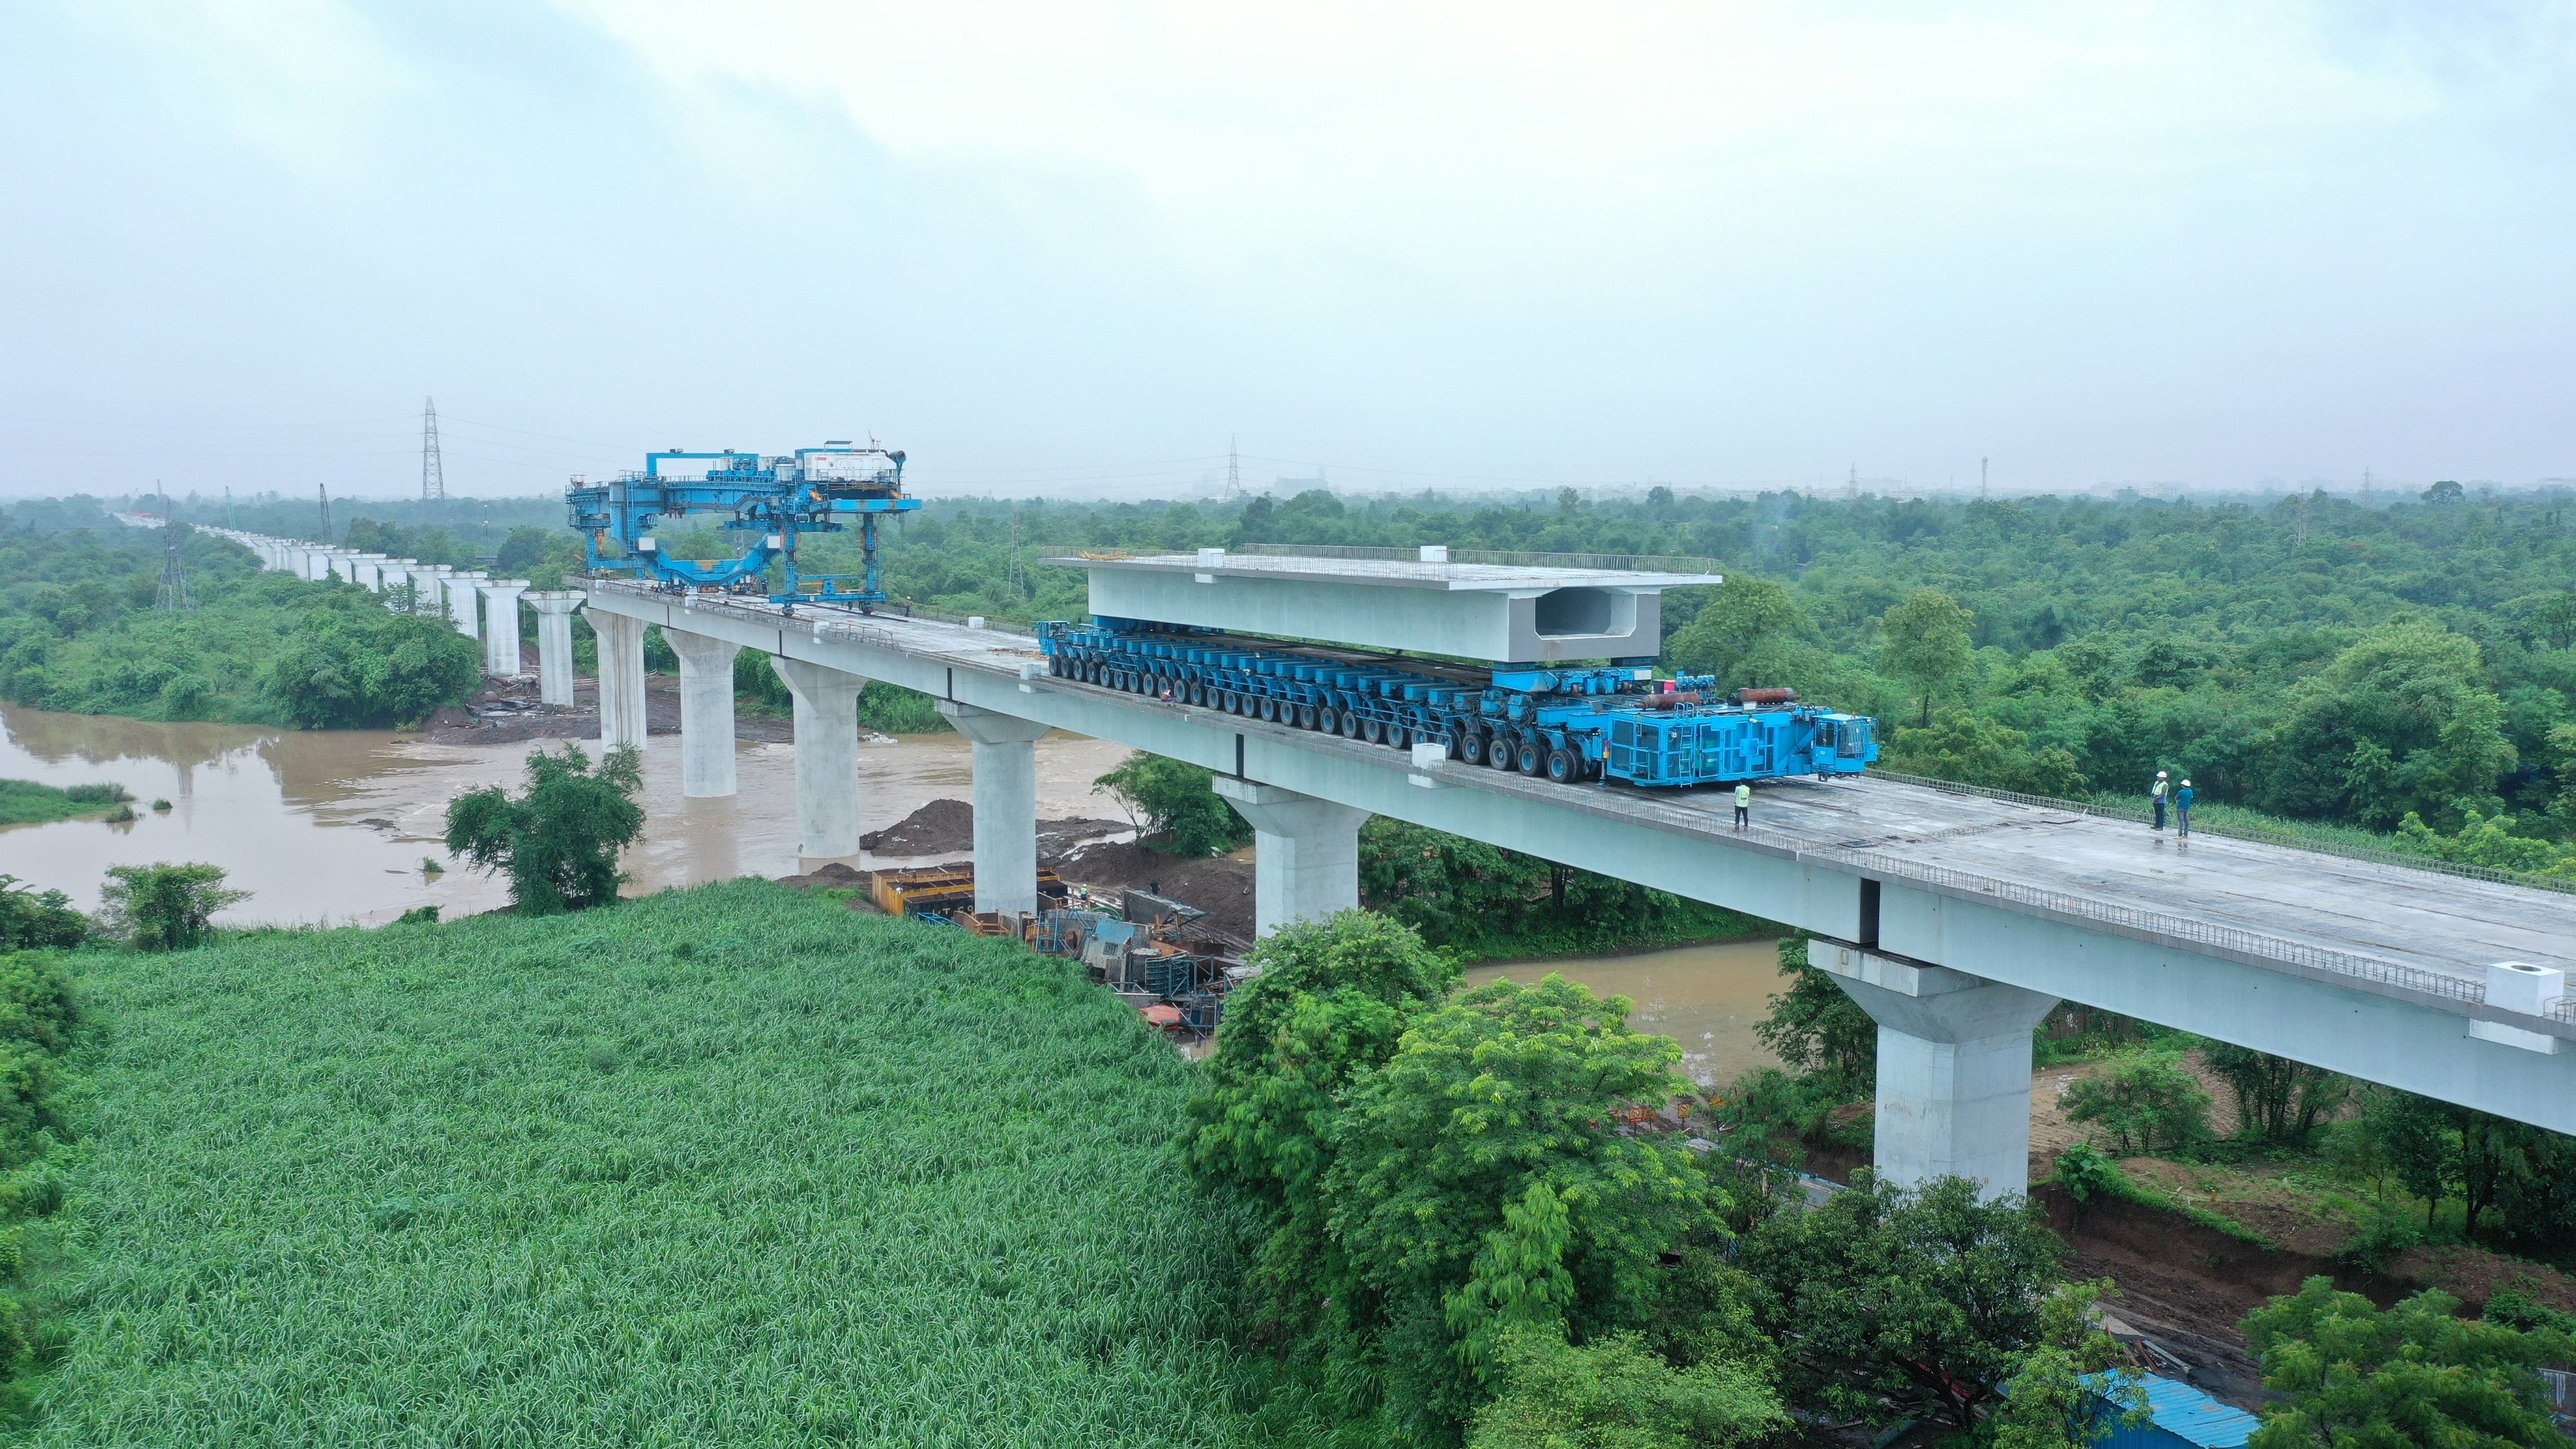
(1066, 253)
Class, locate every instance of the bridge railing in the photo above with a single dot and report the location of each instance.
(1626, 562)
(2254, 833)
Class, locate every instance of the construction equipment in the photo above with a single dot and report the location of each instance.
(771, 499)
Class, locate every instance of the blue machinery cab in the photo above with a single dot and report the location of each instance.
(770, 501)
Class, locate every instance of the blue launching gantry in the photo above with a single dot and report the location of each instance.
(773, 499)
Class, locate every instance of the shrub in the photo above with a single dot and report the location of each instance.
(2277, 1100)
(1614, 1394)
(364, 668)
(2145, 1103)
(559, 842)
(165, 907)
(35, 920)
(1816, 1029)
(2087, 1175)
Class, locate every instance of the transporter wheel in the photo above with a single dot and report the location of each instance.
(1232, 703)
(1500, 751)
(1270, 709)
(1470, 746)
(1350, 724)
(1373, 730)
(1198, 694)
(1563, 766)
(1456, 740)
(1529, 757)
(1328, 720)
(1305, 716)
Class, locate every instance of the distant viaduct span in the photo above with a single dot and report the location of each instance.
(1957, 920)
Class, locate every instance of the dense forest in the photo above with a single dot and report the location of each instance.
(2402, 668)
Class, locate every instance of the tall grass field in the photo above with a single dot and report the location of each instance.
(724, 1167)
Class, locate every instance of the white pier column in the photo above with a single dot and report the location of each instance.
(501, 626)
(366, 570)
(431, 581)
(463, 588)
(1305, 853)
(326, 563)
(1006, 806)
(621, 680)
(1953, 1067)
(706, 712)
(554, 643)
(827, 759)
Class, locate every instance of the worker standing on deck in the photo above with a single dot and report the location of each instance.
(2182, 812)
(2158, 795)
(1743, 807)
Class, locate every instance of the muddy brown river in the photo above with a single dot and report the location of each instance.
(1705, 997)
(332, 826)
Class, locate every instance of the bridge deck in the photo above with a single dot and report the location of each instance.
(2416, 930)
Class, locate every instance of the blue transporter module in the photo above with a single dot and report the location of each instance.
(773, 500)
(1567, 724)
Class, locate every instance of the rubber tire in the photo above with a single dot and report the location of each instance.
(1270, 709)
(1457, 744)
(1305, 716)
(1564, 766)
(1501, 751)
(1351, 725)
(1328, 720)
(1398, 737)
(1373, 731)
(1471, 747)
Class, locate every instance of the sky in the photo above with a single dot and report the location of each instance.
(1082, 250)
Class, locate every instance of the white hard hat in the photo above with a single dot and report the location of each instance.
(2186, 784)
(2160, 774)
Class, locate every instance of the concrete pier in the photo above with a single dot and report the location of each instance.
(1006, 806)
(1953, 1067)
(827, 759)
(366, 570)
(621, 680)
(554, 643)
(706, 713)
(393, 573)
(501, 626)
(431, 582)
(463, 589)
(1305, 852)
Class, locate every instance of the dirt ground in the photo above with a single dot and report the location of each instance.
(944, 827)
(1220, 885)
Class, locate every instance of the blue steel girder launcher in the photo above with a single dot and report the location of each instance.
(768, 502)
(1539, 668)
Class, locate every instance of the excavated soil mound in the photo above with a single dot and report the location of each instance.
(831, 875)
(943, 826)
(1220, 886)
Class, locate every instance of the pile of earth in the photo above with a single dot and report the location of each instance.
(943, 827)
(1219, 885)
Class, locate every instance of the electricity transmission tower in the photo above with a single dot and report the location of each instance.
(433, 477)
(1233, 470)
(323, 492)
(174, 564)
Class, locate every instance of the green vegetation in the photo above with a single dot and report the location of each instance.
(39, 1026)
(731, 1166)
(2145, 1103)
(164, 907)
(79, 632)
(558, 843)
(1174, 805)
(25, 802)
(2360, 1377)
(1484, 903)
(34, 920)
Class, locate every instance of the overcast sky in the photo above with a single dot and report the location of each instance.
(1073, 248)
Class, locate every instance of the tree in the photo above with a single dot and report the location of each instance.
(165, 907)
(2071, 1389)
(2418, 1139)
(1482, 1188)
(1924, 642)
(1174, 799)
(2401, 721)
(1923, 1300)
(558, 842)
(34, 920)
(2145, 1101)
(1970, 748)
(2359, 1377)
(363, 668)
(1615, 1394)
(1747, 621)
(1815, 1028)
(1332, 1000)
(2277, 1100)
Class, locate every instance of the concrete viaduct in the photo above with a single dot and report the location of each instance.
(1957, 919)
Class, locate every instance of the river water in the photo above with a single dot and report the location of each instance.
(1705, 997)
(332, 825)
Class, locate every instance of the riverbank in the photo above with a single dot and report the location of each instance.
(619, 1178)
